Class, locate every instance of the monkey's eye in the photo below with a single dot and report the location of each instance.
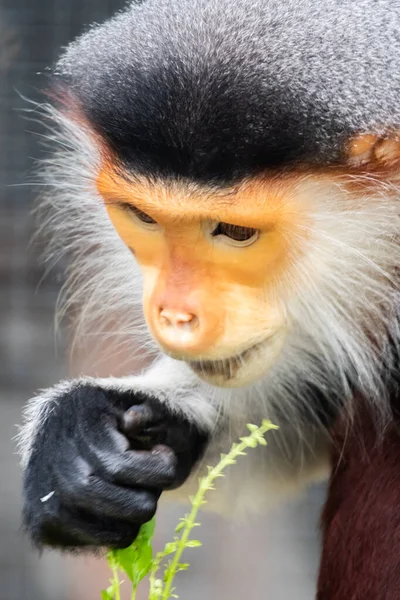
(139, 215)
(236, 235)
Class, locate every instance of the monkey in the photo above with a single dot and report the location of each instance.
(225, 176)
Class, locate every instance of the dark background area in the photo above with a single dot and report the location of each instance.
(270, 557)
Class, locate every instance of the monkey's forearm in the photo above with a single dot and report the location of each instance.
(169, 381)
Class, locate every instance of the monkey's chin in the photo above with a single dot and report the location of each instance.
(243, 369)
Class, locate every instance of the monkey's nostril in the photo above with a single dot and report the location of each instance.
(178, 319)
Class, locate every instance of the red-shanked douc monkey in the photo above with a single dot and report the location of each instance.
(234, 168)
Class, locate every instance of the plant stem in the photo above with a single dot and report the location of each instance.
(255, 438)
(116, 583)
(161, 588)
(182, 543)
(153, 575)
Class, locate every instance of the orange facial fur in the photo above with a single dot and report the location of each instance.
(233, 291)
(208, 300)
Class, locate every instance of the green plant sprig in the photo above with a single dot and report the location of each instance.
(137, 561)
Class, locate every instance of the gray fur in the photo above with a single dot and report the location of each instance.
(336, 63)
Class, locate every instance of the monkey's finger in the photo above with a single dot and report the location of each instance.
(155, 468)
(107, 454)
(140, 417)
(104, 436)
(77, 485)
(149, 425)
(134, 399)
(105, 499)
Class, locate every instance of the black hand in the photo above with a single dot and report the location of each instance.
(86, 484)
(151, 425)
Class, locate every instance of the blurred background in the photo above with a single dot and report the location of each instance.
(274, 557)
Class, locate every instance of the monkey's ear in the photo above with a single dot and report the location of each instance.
(368, 148)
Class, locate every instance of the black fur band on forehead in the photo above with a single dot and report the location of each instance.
(210, 129)
(216, 89)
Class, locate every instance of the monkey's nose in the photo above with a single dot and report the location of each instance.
(184, 329)
(178, 320)
(178, 329)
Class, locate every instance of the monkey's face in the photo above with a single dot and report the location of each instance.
(215, 268)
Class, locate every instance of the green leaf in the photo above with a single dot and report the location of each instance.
(137, 559)
(109, 593)
(125, 560)
(169, 548)
(143, 564)
(180, 526)
(146, 531)
(252, 428)
(193, 544)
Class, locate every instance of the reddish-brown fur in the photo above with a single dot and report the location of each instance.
(361, 519)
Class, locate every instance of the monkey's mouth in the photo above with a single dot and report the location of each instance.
(227, 368)
(244, 368)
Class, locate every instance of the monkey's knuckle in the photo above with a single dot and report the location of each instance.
(82, 488)
(75, 490)
(168, 461)
(170, 478)
(169, 475)
(148, 507)
(114, 469)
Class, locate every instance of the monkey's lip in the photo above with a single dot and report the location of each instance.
(227, 367)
